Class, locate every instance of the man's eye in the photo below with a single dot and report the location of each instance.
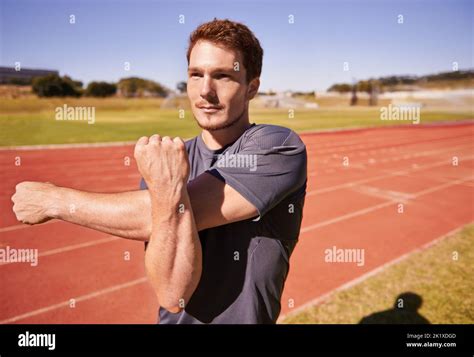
(222, 75)
(195, 75)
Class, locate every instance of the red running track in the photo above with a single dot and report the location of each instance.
(357, 181)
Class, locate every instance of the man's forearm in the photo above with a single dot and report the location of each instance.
(125, 214)
(173, 258)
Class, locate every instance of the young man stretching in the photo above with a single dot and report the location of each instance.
(221, 212)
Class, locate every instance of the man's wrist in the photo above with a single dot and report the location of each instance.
(167, 191)
(169, 199)
(55, 204)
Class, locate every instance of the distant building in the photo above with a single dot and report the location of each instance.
(8, 75)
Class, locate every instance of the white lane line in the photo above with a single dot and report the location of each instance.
(77, 299)
(346, 216)
(401, 197)
(443, 185)
(417, 155)
(438, 178)
(309, 193)
(362, 142)
(370, 179)
(67, 146)
(393, 199)
(303, 230)
(382, 205)
(308, 133)
(396, 147)
(367, 275)
(72, 247)
(398, 143)
(78, 246)
(23, 226)
(73, 146)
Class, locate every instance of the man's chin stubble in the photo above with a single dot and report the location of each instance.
(223, 125)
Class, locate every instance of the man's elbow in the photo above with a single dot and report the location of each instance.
(171, 303)
(175, 298)
(172, 308)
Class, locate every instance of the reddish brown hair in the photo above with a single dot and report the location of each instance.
(234, 36)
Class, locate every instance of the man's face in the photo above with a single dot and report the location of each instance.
(218, 93)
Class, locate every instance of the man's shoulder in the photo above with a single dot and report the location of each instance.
(190, 143)
(264, 136)
(267, 136)
(267, 129)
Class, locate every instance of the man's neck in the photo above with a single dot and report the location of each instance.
(217, 139)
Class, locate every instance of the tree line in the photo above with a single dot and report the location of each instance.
(390, 81)
(57, 86)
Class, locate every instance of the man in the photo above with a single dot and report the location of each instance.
(221, 212)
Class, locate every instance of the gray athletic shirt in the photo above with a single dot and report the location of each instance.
(245, 264)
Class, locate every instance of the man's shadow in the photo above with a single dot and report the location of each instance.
(404, 311)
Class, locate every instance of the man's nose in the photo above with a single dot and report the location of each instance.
(207, 89)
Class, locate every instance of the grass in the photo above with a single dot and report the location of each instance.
(29, 121)
(445, 286)
(305, 120)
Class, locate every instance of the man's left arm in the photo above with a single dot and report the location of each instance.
(173, 258)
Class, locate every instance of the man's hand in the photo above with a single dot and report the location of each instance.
(31, 202)
(163, 163)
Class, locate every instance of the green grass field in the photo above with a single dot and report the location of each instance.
(445, 286)
(30, 121)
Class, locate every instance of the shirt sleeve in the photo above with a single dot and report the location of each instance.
(271, 165)
(143, 185)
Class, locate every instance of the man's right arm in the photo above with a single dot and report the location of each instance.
(127, 214)
(124, 214)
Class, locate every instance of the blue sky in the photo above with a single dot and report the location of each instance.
(306, 55)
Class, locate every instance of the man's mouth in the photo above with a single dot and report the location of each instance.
(209, 109)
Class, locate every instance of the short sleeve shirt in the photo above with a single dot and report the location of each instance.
(245, 263)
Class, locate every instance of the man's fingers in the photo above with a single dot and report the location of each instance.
(179, 142)
(154, 139)
(140, 144)
(142, 141)
(21, 185)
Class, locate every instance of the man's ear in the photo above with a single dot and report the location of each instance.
(253, 88)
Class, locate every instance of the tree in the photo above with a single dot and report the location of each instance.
(341, 88)
(354, 98)
(101, 89)
(139, 87)
(372, 87)
(55, 86)
(182, 87)
(77, 84)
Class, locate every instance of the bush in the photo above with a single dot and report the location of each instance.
(101, 89)
(55, 86)
(182, 87)
(341, 88)
(139, 87)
